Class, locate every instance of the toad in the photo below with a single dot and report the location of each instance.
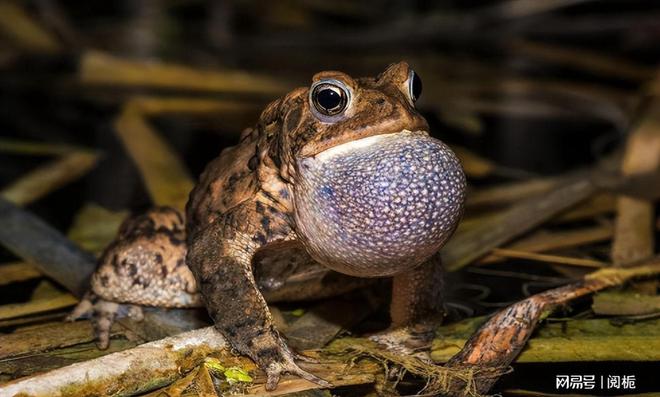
(341, 175)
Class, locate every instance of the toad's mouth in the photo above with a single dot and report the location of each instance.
(358, 144)
(379, 205)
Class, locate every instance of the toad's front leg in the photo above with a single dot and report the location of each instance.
(220, 255)
(417, 309)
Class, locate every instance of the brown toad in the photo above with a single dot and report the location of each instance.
(340, 175)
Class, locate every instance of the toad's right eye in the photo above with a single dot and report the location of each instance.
(330, 98)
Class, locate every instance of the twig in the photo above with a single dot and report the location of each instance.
(102, 69)
(510, 192)
(125, 373)
(16, 272)
(51, 176)
(476, 242)
(566, 341)
(499, 341)
(164, 174)
(634, 232)
(595, 63)
(44, 247)
(625, 303)
(564, 260)
(633, 235)
(527, 8)
(547, 241)
(25, 32)
(156, 364)
(36, 306)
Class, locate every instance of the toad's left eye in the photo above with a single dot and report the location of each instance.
(414, 86)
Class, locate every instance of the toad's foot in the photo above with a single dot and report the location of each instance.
(413, 340)
(103, 314)
(273, 356)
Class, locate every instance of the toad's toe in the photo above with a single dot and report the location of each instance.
(83, 309)
(411, 341)
(103, 314)
(135, 312)
(275, 370)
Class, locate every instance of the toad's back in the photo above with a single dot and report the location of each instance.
(226, 182)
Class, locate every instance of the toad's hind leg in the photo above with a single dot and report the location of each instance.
(144, 266)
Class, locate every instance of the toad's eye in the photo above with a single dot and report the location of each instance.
(414, 86)
(329, 98)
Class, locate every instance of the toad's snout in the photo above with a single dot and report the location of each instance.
(379, 205)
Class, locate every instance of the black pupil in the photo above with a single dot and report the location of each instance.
(328, 98)
(416, 86)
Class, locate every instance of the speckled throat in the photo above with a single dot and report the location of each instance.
(381, 205)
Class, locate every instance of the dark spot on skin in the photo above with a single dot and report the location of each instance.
(115, 262)
(259, 331)
(132, 269)
(104, 281)
(293, 119)
(232, 181)
(243, 322)
(175, 241)
(229, 331)
(159, 259)
(259, 238)
(163, 271)
(269, 354)
(274, 153)
(180, 263)
(229, 219)
(260, 208)
(379, 101)
(265, 223)
(143, 282)
(207, 281)
(141, 225)
(284, 193)
(327, 191)
(253, 163)
(164, 230)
